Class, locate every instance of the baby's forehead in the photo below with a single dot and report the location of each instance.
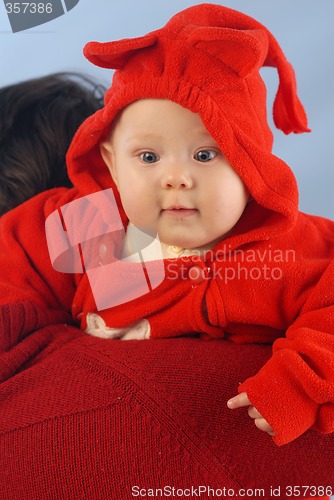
(150, 118)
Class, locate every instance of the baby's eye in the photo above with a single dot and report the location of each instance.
(205, 155)
(149, 157)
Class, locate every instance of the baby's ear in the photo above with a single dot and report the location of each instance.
(107, 154)
(115, 55)
(244, 51)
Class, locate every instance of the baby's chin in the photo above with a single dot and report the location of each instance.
(189, 244)
(178, 242)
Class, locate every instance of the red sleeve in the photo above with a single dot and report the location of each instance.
(41, 294)
(294, 391)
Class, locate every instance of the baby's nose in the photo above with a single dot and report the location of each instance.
(177, 177)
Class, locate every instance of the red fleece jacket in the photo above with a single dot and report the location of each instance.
(278, 291)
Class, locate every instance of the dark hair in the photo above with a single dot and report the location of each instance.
(38, 119)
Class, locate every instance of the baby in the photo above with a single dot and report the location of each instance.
(173, 178)
(182, 154)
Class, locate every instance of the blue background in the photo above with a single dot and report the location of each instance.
(303, 28)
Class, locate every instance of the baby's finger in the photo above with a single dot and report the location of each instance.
(263, 425)
(102, 254)
(253, 413)
(238, 401)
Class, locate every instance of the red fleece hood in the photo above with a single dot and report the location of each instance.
(207, 59)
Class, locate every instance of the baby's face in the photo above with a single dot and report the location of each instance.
(171, 175)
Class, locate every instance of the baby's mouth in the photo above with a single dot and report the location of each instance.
(180, 211)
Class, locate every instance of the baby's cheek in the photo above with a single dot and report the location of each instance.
(139, 202)
(137, 213)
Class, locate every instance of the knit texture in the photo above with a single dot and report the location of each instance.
(89, 418)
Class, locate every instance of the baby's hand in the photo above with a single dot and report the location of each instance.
(242, 400)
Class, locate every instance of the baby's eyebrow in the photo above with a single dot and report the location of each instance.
(142, 137)
(139, 137)
(205, 135)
